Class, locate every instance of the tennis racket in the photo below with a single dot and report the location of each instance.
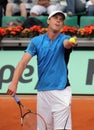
(29, 118)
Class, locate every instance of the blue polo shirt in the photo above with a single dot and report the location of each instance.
(52, 71)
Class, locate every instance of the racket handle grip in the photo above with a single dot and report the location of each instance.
(16, 99)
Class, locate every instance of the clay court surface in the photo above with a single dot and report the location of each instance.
(82, 112)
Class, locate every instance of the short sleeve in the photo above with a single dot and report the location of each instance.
(31, 49)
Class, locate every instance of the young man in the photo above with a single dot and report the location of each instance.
(54, 92)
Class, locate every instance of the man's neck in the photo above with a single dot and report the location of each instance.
(52, 34)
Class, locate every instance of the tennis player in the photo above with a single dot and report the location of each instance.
(54, 91)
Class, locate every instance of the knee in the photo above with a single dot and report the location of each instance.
(9, 6)
(22, 6)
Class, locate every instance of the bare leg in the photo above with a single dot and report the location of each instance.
(23, 10)
(8, 10)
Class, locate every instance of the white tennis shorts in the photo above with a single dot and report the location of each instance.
(55, 107)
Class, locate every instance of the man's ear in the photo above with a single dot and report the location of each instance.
(48, 21)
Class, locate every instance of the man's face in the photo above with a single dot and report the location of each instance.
(56, 22)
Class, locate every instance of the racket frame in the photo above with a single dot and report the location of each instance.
(28, 111)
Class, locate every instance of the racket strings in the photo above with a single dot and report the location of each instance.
(30, 122)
